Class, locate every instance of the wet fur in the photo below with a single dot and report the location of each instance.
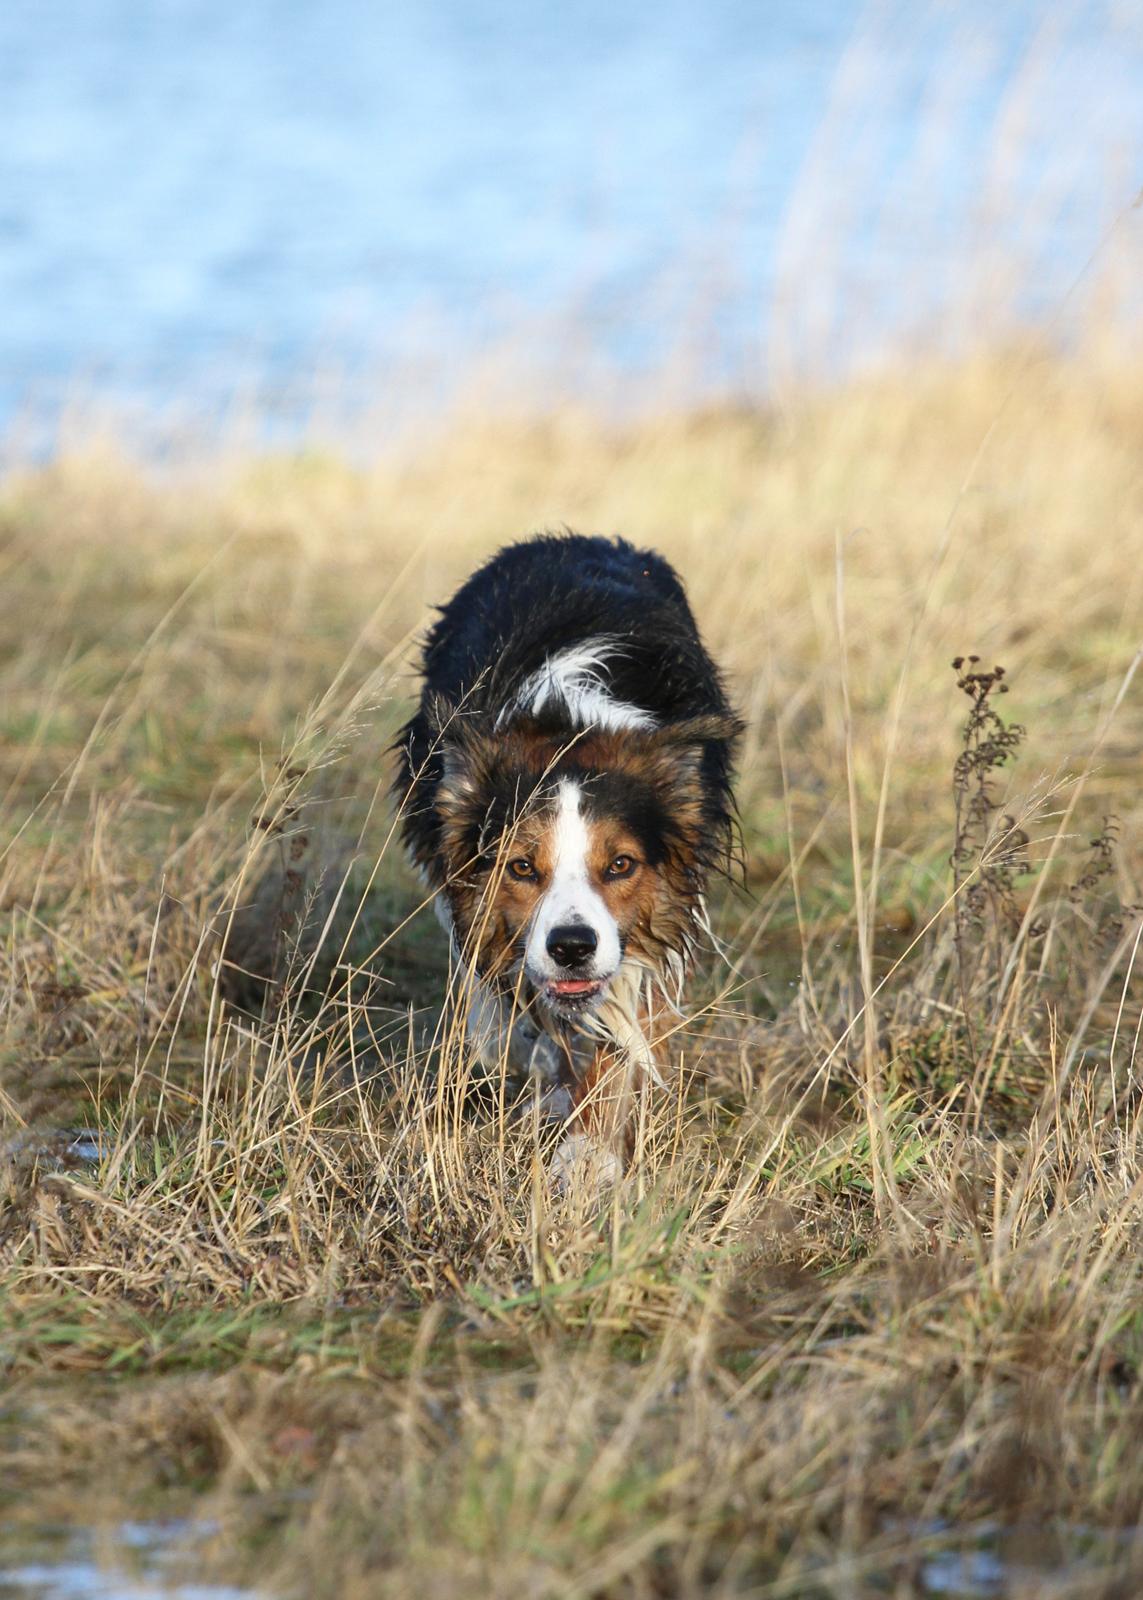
(570, 660)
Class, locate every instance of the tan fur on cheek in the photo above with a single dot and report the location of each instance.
(631, 901)
(491, 917)
(497, 915)
(653, 907)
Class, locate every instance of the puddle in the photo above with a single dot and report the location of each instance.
(964, 1574)
(60, 1147)
(135, 1561)
(996, 1561)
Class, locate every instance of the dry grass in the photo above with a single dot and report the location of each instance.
(872, 1289)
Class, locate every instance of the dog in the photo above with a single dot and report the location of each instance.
(565, 789)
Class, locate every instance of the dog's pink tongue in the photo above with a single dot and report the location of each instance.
(574, 986)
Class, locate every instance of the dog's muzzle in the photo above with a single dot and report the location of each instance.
(571, 947)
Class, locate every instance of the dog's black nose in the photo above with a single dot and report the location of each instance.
(572, 944)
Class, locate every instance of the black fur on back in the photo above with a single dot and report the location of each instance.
(536, 599)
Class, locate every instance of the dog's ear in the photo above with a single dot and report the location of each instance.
(439, 713)
(681, 749)
(690, 768)
(714, 728)
(695, 733)
(465, 749)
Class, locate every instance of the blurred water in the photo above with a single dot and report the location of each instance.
(134, 1561)
(197, 196)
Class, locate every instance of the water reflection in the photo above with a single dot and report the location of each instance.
(135, 1561)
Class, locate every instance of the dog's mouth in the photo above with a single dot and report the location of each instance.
(573, 994)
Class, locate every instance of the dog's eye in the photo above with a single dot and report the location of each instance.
(522, 869)
(621, 867)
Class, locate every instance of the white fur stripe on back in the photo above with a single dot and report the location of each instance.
(574, 676)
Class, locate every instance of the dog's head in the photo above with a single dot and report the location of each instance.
(566, 854)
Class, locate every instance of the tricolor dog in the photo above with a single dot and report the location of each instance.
(565, 789)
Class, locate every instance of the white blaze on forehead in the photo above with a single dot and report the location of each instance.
(572, 840)
(571, 898)
(574, 676)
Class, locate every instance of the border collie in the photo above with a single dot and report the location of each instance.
(565, 787)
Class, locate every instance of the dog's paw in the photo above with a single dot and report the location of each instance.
(581, 1165)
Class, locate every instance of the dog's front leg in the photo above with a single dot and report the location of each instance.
(503, 1038)
(605, 1082)
(599, 1139)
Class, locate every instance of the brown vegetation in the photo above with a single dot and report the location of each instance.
(872, 1288)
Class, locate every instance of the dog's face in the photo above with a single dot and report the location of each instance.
(564, 857)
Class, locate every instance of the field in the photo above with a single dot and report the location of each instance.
(866, 1315)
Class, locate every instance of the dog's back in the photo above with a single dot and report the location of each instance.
(573, 631)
